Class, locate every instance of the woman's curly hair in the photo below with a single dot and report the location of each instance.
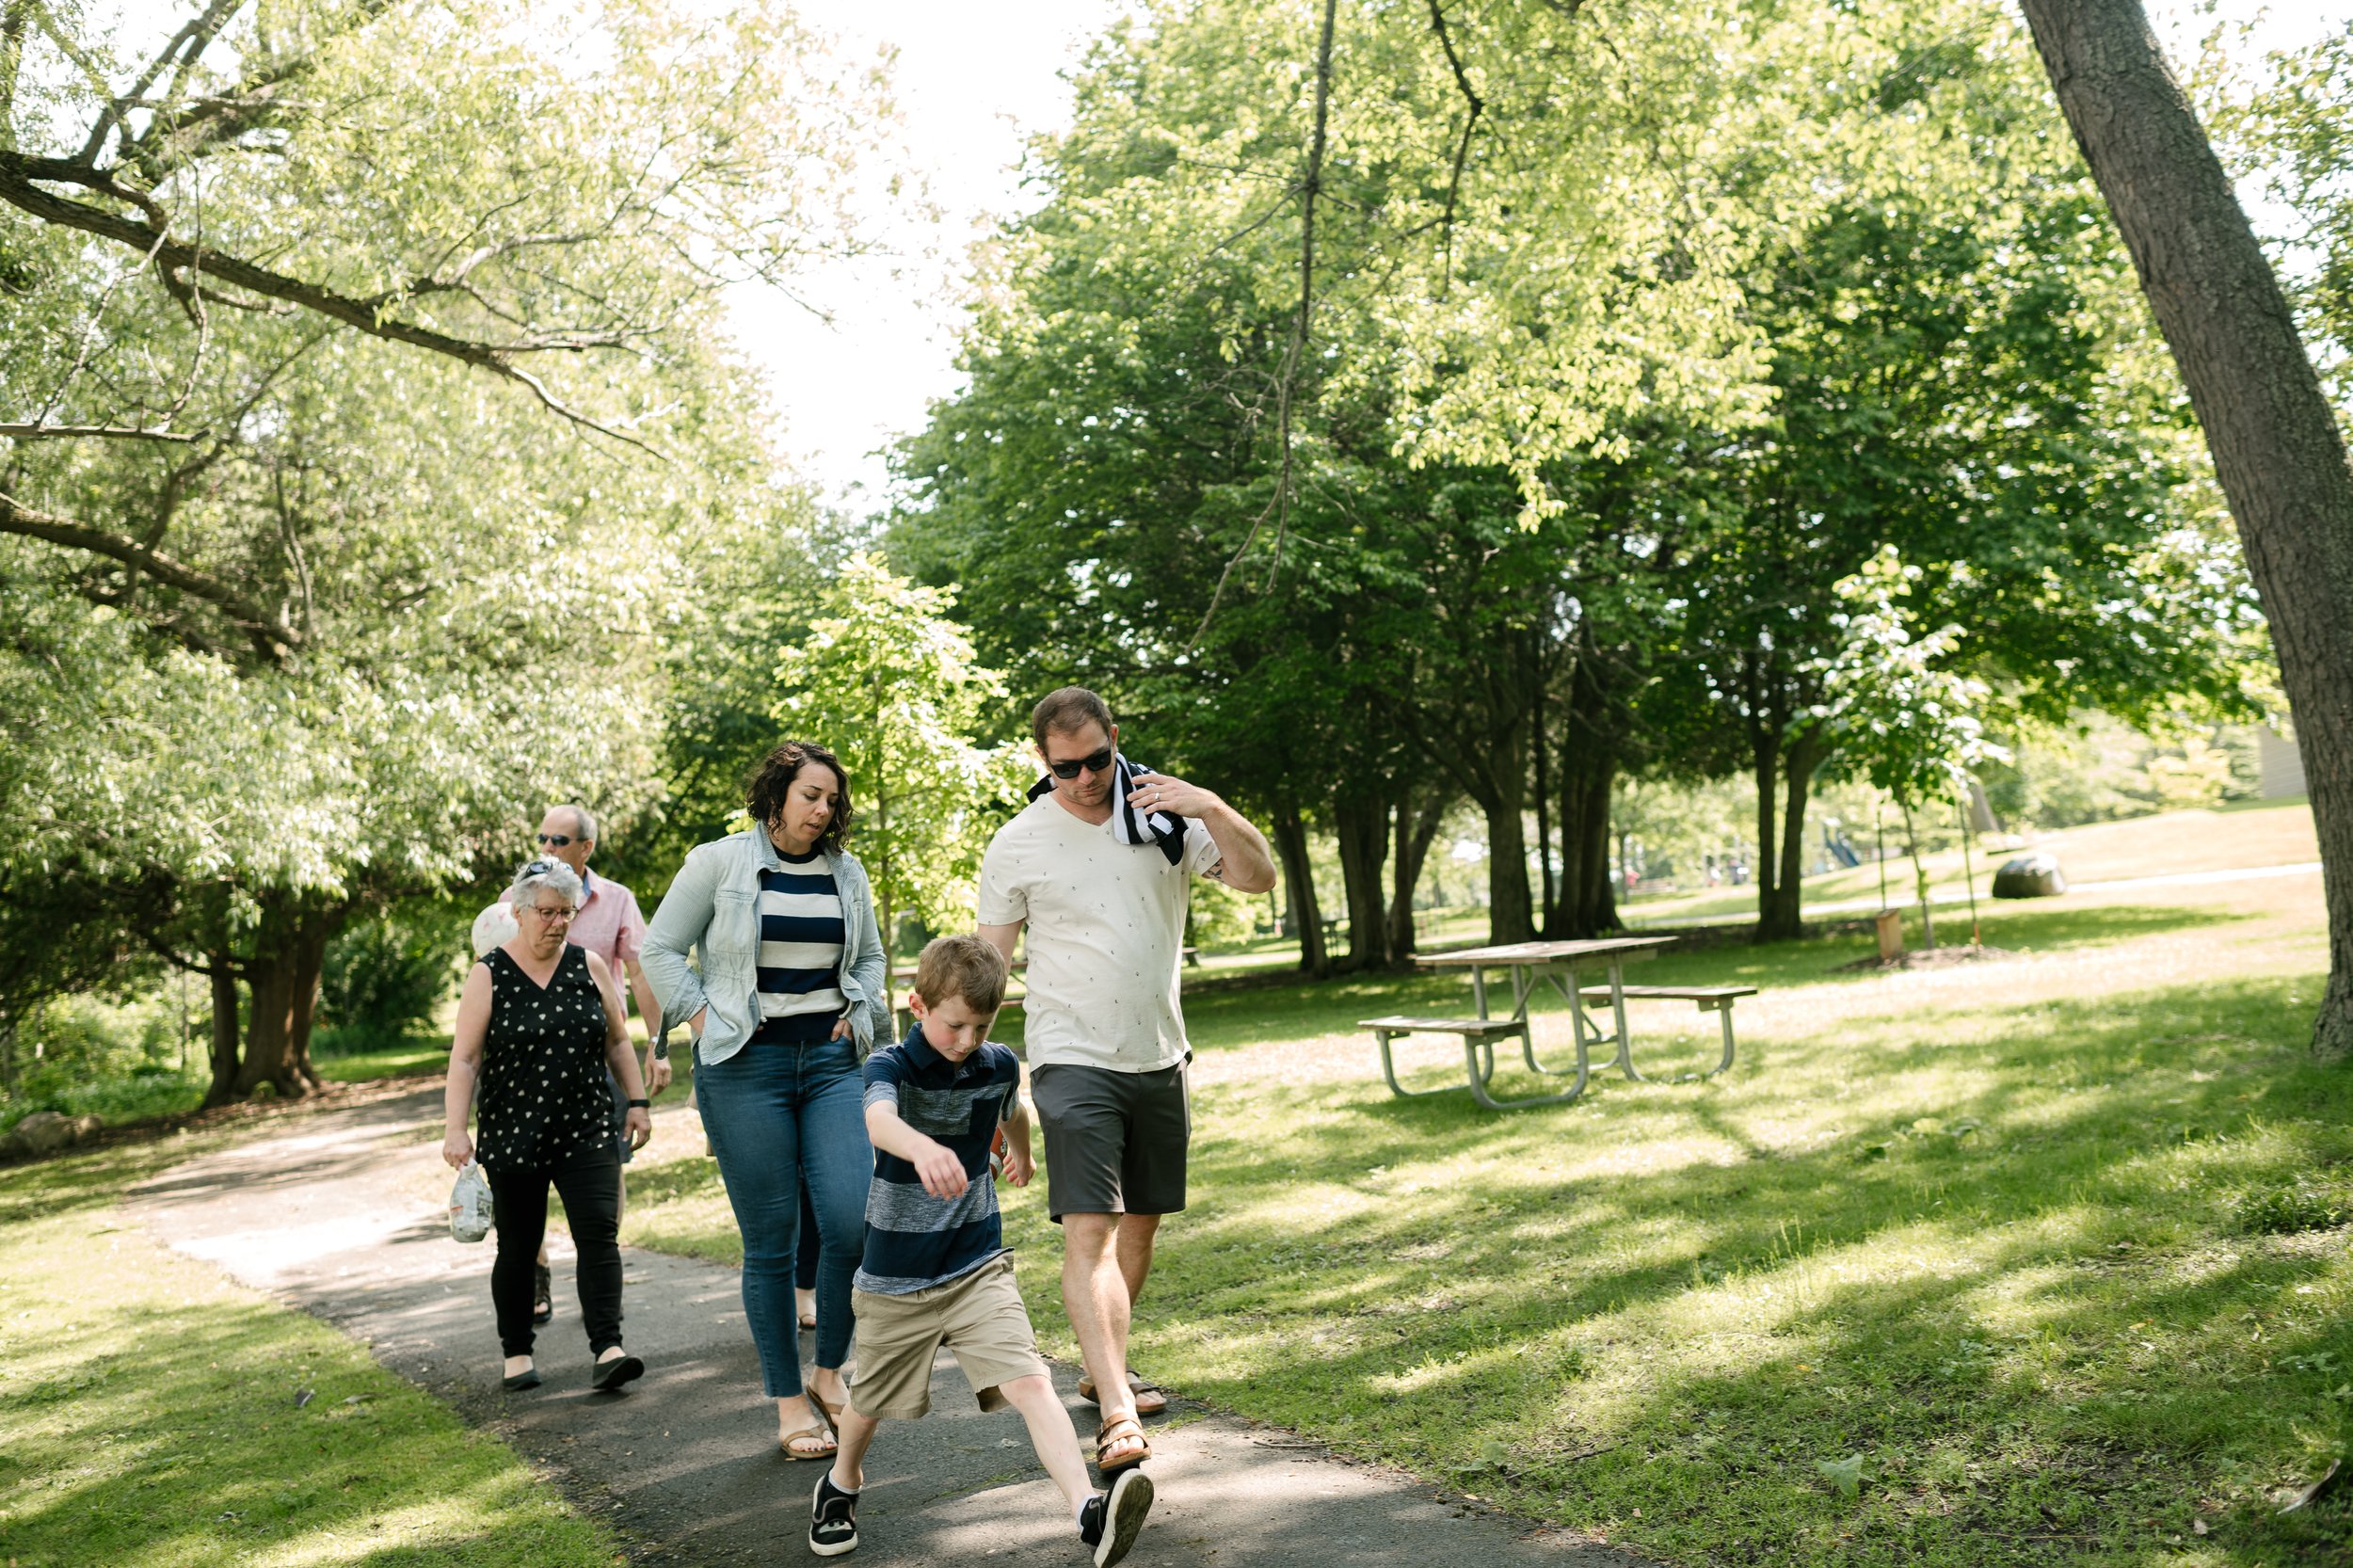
(764, 795)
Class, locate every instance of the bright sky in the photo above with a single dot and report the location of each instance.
(973, 82)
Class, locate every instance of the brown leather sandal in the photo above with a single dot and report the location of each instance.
(1115, 1433)
(1151, 1399)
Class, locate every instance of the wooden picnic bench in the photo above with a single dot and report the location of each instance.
(1711, 999)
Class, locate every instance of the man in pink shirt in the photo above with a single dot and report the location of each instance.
(609, 925)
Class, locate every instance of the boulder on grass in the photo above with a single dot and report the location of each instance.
(2030, 876)
(88, 1127)
(43, 1132)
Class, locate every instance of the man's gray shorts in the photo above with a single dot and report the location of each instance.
(1115, 1142)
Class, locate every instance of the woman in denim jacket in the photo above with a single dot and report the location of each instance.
(787, 1002)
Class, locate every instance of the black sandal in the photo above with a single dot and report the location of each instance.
(542, 1295)
(620, 1369)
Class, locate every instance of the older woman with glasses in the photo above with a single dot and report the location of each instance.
(786, 1002)
(538, 1025)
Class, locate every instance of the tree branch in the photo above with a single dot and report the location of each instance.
(91, 432)
(200, 31)
(271, 634)
(1310, 184)
(1462, 148)
(18, 189)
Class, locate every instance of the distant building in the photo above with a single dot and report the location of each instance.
(2281, 765)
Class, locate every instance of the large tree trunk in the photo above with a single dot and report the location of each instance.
(1588, 897)
(227, 1036)
(283, 985)
(1549, 908)
(1363, 827)
(1511, 910)
(2277, 448)
(1299, 886)
(1766, 755)
(1416, 832)
(1781, 844)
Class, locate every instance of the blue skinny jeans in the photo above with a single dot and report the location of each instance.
(785, 1121)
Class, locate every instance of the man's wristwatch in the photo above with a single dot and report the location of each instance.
(641, 1105)
(661, 1048)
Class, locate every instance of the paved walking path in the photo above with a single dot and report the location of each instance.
(330, 1215)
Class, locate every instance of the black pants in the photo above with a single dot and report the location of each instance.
(589, 1180)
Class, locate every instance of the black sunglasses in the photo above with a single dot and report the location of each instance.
(555, 841)
(1095, 763)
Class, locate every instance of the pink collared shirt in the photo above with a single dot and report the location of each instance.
(609, 925)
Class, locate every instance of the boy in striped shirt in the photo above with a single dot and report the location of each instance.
(936, 1269)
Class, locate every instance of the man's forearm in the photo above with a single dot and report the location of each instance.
(1249, 864)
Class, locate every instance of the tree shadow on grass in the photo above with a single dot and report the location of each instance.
(1942, 1287)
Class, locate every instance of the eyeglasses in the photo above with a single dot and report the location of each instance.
(555, 841)
(1095, 763)
(553, 914)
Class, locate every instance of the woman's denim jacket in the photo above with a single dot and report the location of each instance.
(713, 906)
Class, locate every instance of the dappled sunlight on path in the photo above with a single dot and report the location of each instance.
(335, 1216)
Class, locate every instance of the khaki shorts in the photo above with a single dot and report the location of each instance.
(979, 1316)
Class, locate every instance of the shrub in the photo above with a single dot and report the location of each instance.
(385, 975)
(121, 1060)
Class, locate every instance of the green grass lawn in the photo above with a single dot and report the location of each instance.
(148, 1414)
(2039, 1260)
(2258, 833)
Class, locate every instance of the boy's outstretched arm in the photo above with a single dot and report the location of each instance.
(1020, 1162)
(936, 1166)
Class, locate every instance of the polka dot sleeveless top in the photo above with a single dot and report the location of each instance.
(543, 1090)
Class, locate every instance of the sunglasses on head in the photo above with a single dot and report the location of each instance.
(555, 841)
(1095, 763)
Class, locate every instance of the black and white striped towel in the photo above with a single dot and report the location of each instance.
(1163, 830)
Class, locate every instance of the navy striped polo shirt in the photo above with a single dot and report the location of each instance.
(915, 1241)
(800, 938)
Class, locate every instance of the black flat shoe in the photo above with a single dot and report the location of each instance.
(527, 1377)
(542, 1295)
(620, 1369)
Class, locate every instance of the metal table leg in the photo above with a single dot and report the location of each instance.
(1724, 1011)
(1524, 984)
(1617, 1006)
(1479, 1089)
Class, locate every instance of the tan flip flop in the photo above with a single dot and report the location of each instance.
(820, 1432)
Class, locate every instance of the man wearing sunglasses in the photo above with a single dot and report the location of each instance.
(1102, 884)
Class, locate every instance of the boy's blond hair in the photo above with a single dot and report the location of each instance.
(965, 967)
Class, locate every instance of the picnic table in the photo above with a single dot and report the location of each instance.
(1527, 966)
